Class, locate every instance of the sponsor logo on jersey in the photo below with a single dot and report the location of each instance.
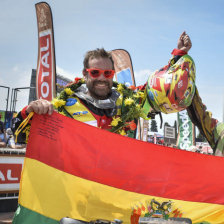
(71, 101)
(80, 113)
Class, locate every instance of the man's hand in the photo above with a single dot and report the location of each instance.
(40, 107)
(184, 42)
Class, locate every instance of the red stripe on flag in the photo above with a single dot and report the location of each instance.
(125, 163)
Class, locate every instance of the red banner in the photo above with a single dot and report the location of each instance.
(46, 68)
(10, 172)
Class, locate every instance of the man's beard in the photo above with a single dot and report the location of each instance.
(97, 92)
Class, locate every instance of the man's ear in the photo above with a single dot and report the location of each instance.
(84, 73)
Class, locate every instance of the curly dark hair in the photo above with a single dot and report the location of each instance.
(98, 53)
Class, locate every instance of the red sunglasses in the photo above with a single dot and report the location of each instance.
(95, 73)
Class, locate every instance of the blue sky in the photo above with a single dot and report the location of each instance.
(149, 30)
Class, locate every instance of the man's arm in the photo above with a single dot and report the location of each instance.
(183, 46)
(197, 111)
(184, 42)
(171, 88)
(38, 106)
(207, 125)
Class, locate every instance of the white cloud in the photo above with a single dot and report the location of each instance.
(141, 76)
(24, 77)
(22, 99)
(213, 98)
(18, 76)
(67, 74)
(15, 68)
(1, 81)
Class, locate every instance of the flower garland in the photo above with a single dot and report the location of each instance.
(131, 108)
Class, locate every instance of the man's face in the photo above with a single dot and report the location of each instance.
(99, 87)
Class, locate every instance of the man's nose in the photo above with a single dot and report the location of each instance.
(101, 77)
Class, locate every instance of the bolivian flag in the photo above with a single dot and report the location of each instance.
(78, 171)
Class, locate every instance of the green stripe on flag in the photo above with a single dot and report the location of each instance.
(26, 216)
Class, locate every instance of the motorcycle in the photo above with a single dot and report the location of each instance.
(143, 220)
(66, 220)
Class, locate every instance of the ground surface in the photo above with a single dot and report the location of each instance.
(6, 217)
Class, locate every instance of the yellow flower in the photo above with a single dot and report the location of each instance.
(141, 94)
(119, 87)
(122, 132)
(138, 106)
(62, 113)
(68, 91)
(136, 95)
(128, 101)
(115, 121)
(58, 103)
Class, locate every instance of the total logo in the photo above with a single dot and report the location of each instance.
(10, 173)
(8, 176)
(80, 113)
(45, 70)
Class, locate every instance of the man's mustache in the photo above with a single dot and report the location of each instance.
(100, 82)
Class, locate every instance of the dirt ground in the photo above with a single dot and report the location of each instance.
(6, 217)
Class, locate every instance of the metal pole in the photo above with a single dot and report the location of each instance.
(15, 94)
(14, 99)
(6, 100)
(14, 109)
(11, 100)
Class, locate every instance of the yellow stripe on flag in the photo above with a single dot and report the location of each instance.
(71, 196)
